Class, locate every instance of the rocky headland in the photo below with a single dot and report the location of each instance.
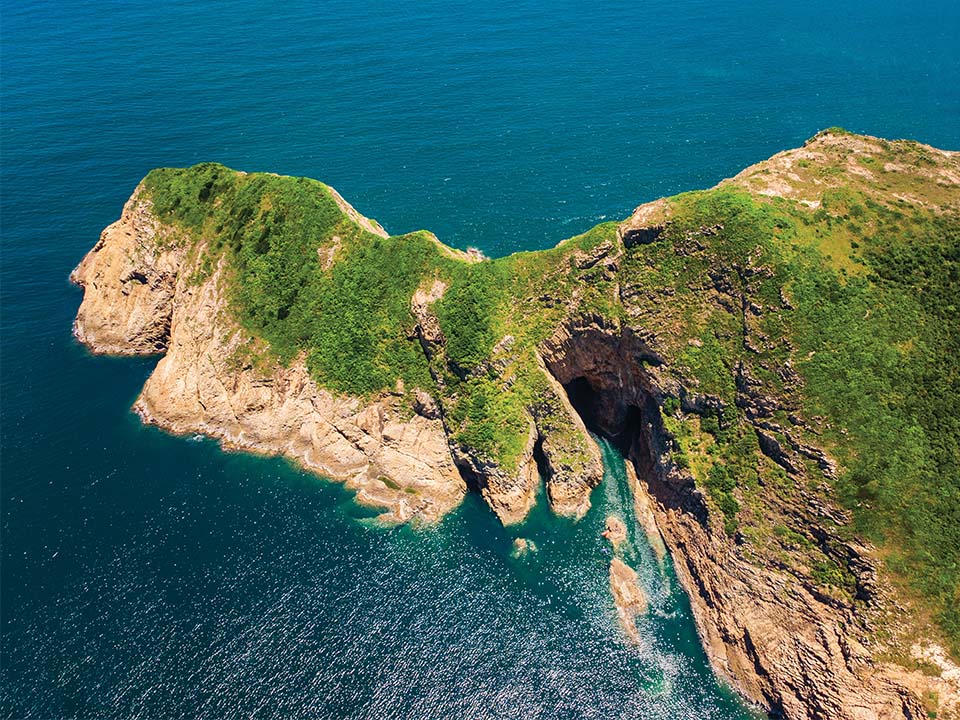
(747, 348)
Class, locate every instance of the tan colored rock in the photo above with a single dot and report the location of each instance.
(615, 531)
(130, 281)
(645, 224)
(643, 509)
(573, 462)
(523, 546)
(944, 687)
(427, 323)
(769, 632)
(771, 638)
(204, 385)
(371, 226)
(511, 496)
(628, 597)
(509, 493)
(795, 173)
(770, 635)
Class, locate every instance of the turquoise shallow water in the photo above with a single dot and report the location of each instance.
(150, 576)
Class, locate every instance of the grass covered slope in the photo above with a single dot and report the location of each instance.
(306, 276)
(854, 353)
(811, 302)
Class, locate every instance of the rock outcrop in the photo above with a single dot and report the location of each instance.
(615, 531)
(557, 442)
(773, 637)
(130, 278)
(509, 494)
(140, 298)
(628, 597)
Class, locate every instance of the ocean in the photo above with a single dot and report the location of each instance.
(149, 576)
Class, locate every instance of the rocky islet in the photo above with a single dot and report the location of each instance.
(594, 334)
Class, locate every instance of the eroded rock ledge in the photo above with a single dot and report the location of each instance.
(613, 359)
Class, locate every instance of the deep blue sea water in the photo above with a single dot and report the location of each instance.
(149, 576)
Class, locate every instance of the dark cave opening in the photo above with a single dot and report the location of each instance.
(583, 398)
(623, 423)
(473, 480)
(543, 465)
(630, 419)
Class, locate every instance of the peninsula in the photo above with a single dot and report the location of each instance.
(778, 358)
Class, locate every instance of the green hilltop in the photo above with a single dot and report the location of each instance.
(815, 293)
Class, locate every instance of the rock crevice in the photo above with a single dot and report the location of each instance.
(773, 638)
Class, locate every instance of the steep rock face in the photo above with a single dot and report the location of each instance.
(509, 494)
(770, 633)
(618, 367)
(568, 482)
(205, 384)
(130, 279)
(773, 637)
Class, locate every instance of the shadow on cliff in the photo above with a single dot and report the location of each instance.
(611, 380)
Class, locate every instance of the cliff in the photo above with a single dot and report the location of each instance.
(141, 299)
(776, 358)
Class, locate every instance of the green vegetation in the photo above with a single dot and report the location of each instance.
(837, 317)
(350, 315)
(467, 313)
(389, 482)
(356, 320)
(490, 420)
(873, 333)
(886, 366)
(721, 483)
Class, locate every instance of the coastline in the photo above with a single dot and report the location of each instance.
(769, 631)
